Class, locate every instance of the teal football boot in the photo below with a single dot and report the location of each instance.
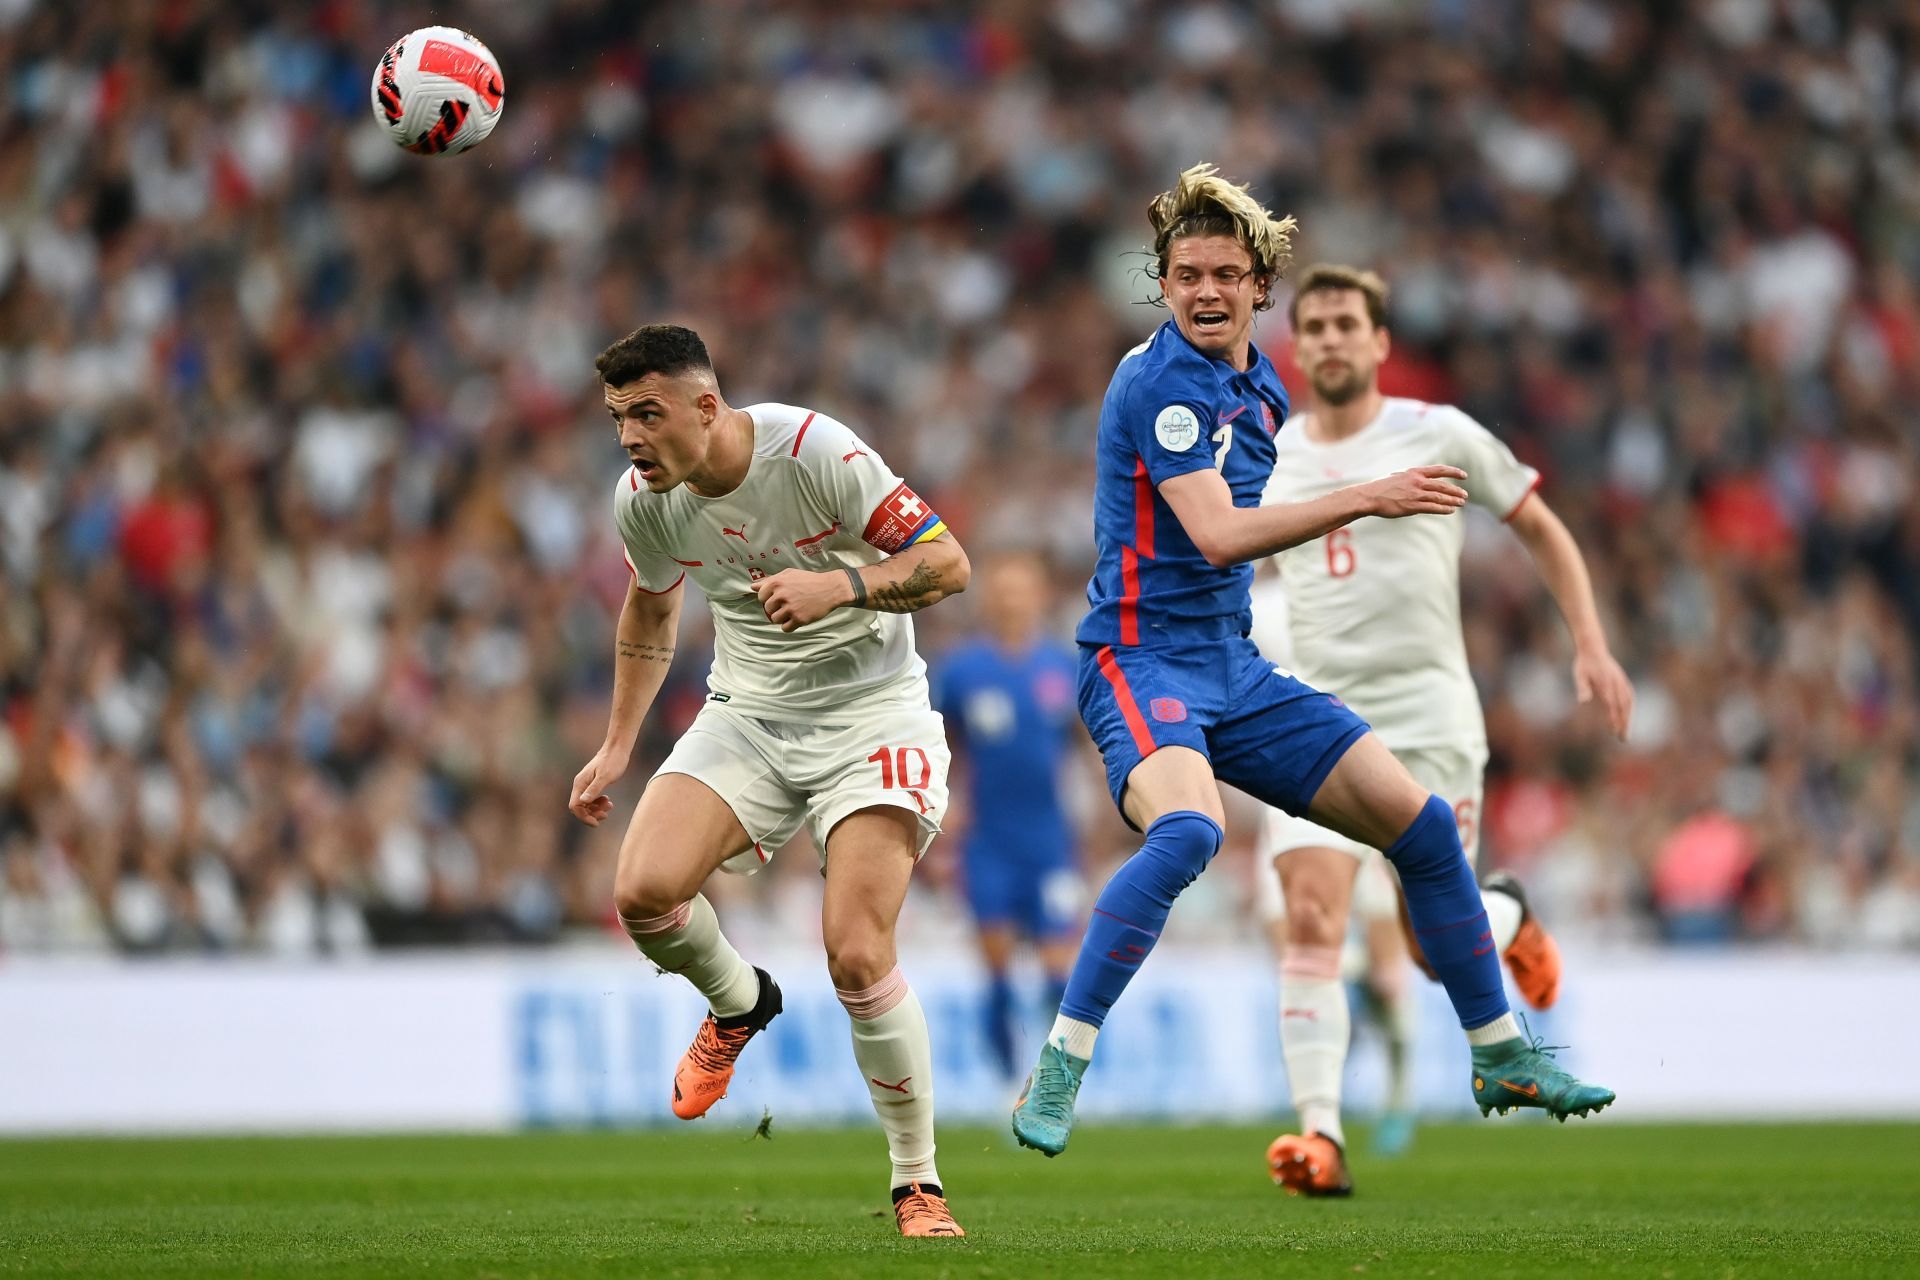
(1522, 1073)
(1043, 1118)
(1393, 1134)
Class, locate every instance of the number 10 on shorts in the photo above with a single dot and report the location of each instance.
(904, 767)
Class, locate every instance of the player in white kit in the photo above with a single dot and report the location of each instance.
(1374, 617)
(809, 550)
(1373, 956)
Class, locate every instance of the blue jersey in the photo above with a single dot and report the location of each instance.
(1014, 713)
(1170, 410)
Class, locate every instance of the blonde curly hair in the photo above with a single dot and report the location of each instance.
(1203, 203)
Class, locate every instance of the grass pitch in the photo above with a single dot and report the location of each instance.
(1494, 1199)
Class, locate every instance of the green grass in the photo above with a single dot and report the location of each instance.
(1493, 1199)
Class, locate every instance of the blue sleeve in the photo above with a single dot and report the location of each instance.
(944, 680)
(1169, 419)
(939, 678)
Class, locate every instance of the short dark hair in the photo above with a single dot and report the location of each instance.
(1332, 277)
(652, 348)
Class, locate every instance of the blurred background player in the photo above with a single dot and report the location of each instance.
(1374, 616)
(807, 547)
(1007, 697)
(1179, 700)
(1373, 961)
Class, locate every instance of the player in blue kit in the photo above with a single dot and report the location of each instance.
(1008, 700)
(1176, 696)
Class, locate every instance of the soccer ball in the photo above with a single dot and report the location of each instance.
(438, 90)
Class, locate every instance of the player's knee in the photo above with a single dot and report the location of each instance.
(1179, 846)
(1317, 887)
(641, 898)
(1312, 920)
(857, 960)
(1430, 842)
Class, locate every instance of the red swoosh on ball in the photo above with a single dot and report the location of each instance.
(464, 65)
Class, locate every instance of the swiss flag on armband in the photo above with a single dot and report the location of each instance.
(898, 520)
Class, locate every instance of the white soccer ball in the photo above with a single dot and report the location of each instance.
(438, 90)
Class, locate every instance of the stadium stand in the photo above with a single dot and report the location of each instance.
(306, 566)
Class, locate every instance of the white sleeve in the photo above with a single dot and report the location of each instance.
(654, 572)
(1496, 480)
(861, 490)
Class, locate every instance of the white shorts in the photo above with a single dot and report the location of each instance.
(776, 774)
(1456, 775)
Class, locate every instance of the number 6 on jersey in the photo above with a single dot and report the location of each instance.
(1340, 559)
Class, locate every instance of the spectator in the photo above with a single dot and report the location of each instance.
(306, 577)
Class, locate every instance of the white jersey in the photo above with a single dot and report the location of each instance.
(815, 498)
(1375, 607)
(1272, 632)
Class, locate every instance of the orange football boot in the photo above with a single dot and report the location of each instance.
(921, 1210)
(1309, 1165)
(1534, 957)
(706, 1068)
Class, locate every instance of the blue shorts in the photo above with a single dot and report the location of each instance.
(1265, 732)
(1036, 897)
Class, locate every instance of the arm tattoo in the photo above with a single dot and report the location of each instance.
(920, 589)
(646, 652)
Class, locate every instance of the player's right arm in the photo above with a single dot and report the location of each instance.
(1228, 535)
(642, 652)
(1166, 420)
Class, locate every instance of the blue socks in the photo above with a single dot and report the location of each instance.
(999, 1019)
(1443, 901)
(1132, 909)
(1448, 917)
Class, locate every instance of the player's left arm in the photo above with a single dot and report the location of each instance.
(925, 563)
(1596, 675)
(905, 582)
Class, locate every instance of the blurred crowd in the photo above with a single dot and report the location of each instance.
(307, 568)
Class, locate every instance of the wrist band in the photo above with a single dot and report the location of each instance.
(859, 600)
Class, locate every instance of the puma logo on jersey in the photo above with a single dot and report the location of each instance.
(740, 533)
(849, 457)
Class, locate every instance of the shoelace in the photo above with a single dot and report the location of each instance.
(1535, 1044)
(1053, 1090)
(918, 1208)
(714, 1049)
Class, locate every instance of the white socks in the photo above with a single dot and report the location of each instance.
(1314, 1028)
(1501, 1028)
(1074, 1036)
(688, 941)
(1402, 1029)
(1503, 918)
(1399, 1016)
(890, 1044)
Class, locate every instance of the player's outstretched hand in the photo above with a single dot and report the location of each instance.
(590, 803)
(1417, 491)
(795, 597)
(1597, 675)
